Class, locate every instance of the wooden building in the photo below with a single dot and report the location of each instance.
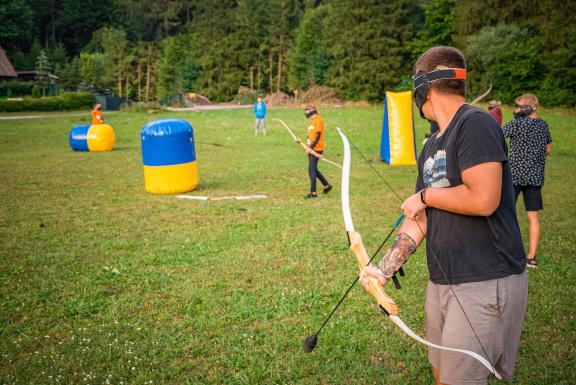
(6, 70)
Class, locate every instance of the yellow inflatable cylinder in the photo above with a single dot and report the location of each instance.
(100, 137)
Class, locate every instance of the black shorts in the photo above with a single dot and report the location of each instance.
(532, 197)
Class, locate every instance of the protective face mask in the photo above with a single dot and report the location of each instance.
(525, 110)
(420, 89)
(421, 83)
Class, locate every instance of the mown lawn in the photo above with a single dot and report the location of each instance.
(103, 283)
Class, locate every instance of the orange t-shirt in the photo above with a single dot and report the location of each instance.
(97, 117)
(316, 126)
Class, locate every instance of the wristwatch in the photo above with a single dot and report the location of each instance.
(422, 196)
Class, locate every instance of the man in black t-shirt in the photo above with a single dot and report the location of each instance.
(465, 208)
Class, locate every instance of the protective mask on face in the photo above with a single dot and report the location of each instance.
(309, 113)
(525, 110)
(421, 83)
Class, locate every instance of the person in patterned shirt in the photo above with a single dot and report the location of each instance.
(530, 143)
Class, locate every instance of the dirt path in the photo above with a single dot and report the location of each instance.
(87, 113)
(211, 107)
(21, 117)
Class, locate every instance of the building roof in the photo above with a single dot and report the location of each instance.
(6, 69)
(31, 75)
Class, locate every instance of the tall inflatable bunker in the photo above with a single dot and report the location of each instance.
(169, 156)
(398, 146)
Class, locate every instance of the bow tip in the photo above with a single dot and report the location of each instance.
(310, 343)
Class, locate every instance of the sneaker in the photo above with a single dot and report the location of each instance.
(327, 189)
(531, 262)
(311, 195)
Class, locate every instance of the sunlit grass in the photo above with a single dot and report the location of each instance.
(101, 282)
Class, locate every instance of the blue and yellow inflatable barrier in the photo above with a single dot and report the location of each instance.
(169, 156)
(93, 138)
(398, 146)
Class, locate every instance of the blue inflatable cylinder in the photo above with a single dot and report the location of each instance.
(78, 138)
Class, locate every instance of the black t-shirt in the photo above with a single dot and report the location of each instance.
(470, 248)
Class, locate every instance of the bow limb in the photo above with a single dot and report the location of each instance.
(479, 98)
(296, 139)
(354, 237)
(385, 302)
(374, 287)
(304, 147)
(410, 333)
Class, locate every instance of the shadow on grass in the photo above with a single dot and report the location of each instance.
(126, 148)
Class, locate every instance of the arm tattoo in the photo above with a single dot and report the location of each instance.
(397, 254)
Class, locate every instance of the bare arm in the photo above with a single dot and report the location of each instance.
(548, 149)
(479, 194)
(416, 228)
(405, 243)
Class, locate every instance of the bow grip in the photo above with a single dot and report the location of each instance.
(375, 289)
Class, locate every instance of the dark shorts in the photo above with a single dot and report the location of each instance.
(532, 197)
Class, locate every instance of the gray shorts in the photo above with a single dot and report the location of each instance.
(496, 310)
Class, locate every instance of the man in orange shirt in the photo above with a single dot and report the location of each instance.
(315, 142)
(97, 114)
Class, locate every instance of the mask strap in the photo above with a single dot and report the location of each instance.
(448, 73)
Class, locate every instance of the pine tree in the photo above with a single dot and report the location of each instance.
(58, 58)
(309, 60)
(43, 71)
(170, 66)
(284, 19)
(115, 52)
(438, 27)
(80, 18)
(252, 35)
(215, 46)
(16, 26)
(32, 57)
(189, 74)
(144, 70)
(367, 46)
(70, 78)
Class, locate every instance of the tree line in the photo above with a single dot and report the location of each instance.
(146, 50)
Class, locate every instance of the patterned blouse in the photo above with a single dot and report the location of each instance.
(528, 140)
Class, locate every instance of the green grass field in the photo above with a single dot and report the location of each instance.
(103, 283)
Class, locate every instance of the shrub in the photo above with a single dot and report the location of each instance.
(15, 89)
(507, 57)
(36, 92)
(245, 96)
(142, 107)
(66, 101)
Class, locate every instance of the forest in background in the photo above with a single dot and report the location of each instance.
(147, 50)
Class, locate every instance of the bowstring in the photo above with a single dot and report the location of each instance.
(431, 252)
